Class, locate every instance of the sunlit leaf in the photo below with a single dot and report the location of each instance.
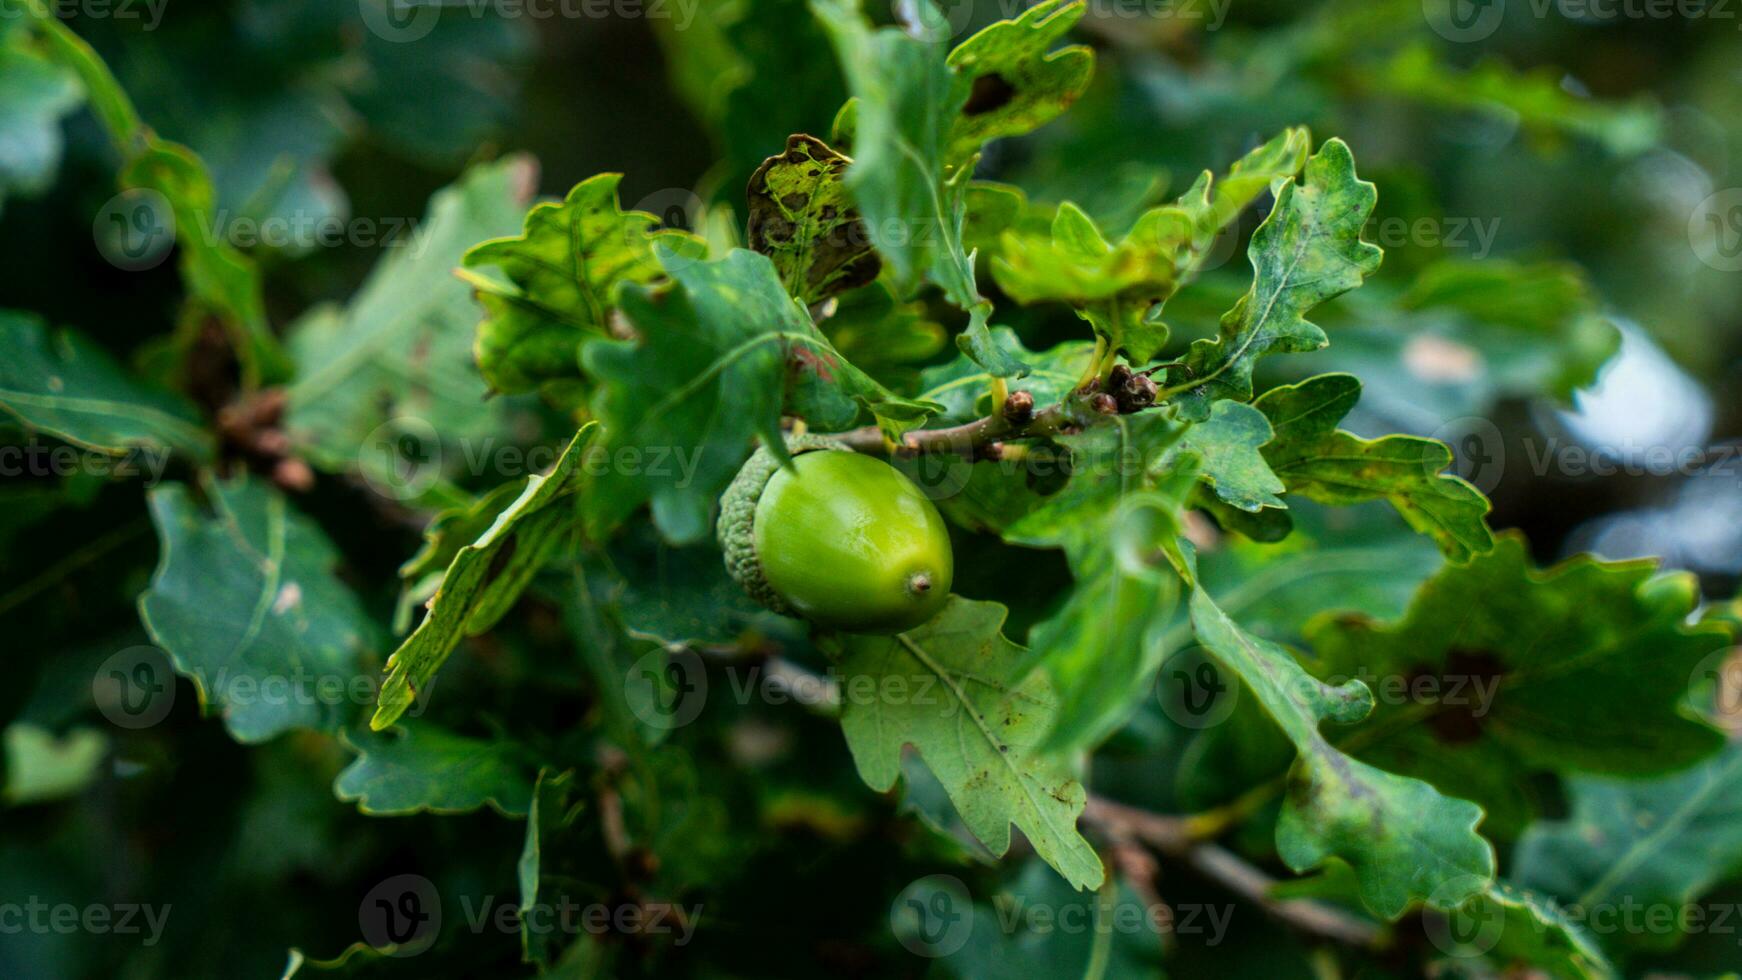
(1307, 251)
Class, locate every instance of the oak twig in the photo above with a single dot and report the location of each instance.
(1183, 838)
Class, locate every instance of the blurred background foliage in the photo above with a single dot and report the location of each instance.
(1570, 158)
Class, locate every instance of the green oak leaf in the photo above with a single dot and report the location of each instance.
(1359, 559)
(718, 358)
(802, 218)
(924, 799)
(1404, 840)
(1211, 205)
(68, 387)
(1337, 559)
(1119, 288)
(426, 769)
(245, 600)
(483, 580)
(1112, 286)
(975, 725)
(1116, 518)
(35, 93)
(1103, 646)
(1015, 82)
(447, 532)
(402, 348)
(1506, 926)
(1582, 667)
(906, 102)
(1321, 462)
(1229, 442)
(976, 340)
(912, 196)
(562, 270)
(1657, 843)
(1308, 250)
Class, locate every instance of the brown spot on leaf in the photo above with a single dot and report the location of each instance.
(991, 91)
(1462, 693)
(804, 359)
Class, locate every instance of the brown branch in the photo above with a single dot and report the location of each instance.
(1123, 392)
(970, 440)
(1183, 838)
(1137, 865)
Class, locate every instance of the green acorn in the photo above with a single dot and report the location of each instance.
(838, 538)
